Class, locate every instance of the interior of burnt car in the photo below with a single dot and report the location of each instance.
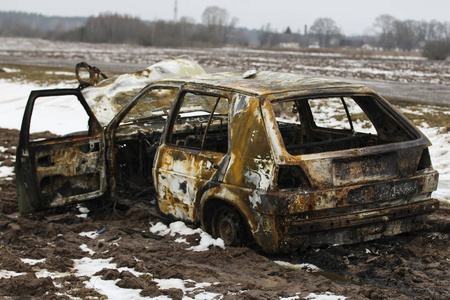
(202, 127)
(355, 122)
(201, 123)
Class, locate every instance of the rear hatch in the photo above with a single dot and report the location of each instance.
(340, 154)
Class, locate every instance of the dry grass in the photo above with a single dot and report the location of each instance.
(38, 74)
(353, 52)
(444, 203)
(82, 292)
(85, 293)
(437, 118)
(42, 75)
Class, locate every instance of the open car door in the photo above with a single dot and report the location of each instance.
(63, 169)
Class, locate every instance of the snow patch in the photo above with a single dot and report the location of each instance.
(326, 296)
(6, 171)
(180, 228)
(89, 234)
(305, 266)
(83, 211)
(9, 274)
(85, 248)
(105, 97)
(10, 70)
(60, 73)
(32, 262)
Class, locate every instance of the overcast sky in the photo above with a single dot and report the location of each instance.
(352, 16)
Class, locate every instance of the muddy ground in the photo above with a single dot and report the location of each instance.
(409, 266)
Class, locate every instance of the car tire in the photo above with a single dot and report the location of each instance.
(227, 224)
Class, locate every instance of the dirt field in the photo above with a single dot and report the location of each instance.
(410, 266)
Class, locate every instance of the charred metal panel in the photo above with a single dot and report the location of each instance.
(359, 227)
(251, 165)
(195, 153)
(61, 170)
(318, 203)
(181, 175)
(69, 172)
(370, 167)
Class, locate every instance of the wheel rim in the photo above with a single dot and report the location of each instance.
(227, 226)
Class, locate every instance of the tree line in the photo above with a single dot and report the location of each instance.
(410, 34)
(35, 25)
(218, 28)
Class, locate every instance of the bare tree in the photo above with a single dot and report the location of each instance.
(325, 29)
(264, 35)
(268, 37)
(218, 23)
(409, 34)
(187, 30)
(239, 37)
(405, 36)
(384, 28)
(112, 28)
(438, 31)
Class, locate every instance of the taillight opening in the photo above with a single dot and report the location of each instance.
(425, 160)
(291, 177)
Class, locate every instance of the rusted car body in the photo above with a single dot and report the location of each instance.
(250, 157)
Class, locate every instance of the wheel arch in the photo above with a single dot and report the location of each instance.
(254, 222)
(208, 206)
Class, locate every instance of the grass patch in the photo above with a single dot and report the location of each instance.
(73, 286)
(86, 293)
(437, 118)
(353, 52)
(38, 74)
(444, 203)
(42, 75)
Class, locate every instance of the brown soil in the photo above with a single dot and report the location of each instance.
(410, 266)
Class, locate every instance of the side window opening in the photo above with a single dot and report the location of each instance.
(289, 122)
(136, 139)
(335, 123)
(201, 123)
(61, 115)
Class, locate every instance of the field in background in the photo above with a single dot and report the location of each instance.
(360, 65)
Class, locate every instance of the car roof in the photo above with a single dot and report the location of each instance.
(266, 82)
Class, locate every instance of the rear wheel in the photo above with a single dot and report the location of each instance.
(227, 224)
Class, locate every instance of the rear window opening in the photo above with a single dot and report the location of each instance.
(338, 123)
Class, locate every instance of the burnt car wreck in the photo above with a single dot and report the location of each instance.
(250, 157)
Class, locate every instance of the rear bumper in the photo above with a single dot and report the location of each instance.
(357, 227)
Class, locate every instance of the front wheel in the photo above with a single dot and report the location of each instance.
(227, 224)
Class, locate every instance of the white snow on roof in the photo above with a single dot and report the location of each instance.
(104, 98)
